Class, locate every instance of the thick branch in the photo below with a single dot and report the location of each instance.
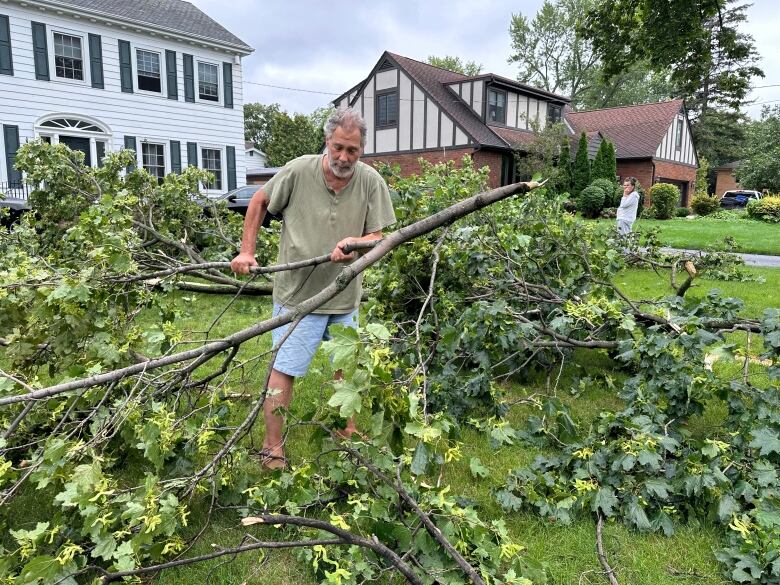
(349, 273)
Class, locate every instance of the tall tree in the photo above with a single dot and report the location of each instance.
(611, 162)
(550, 51)
(760, 166)
(600, 167)
(257, 122)
(638, 85)
(291, 137)
(581, 170)
(710, 64)
(455, 64)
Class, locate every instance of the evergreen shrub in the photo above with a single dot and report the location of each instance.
(664, 197)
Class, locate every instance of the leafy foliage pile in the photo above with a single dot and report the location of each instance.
(506, 294)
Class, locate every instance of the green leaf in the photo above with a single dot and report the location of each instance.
(420, 459)
(508, 500)
(105, 547)
(726, 507)
(637, 516)
(477, 469)
(342, 347)
(766, 440)
(379, 331)
(42, 568)
(346, 398)
(658, 487)
(605, 501)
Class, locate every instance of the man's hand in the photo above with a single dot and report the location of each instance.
(338, 254)
(242, 263)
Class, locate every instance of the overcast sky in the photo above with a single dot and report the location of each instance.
(328, 47)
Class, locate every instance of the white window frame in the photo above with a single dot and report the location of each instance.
(134, 48)
(139, 153)
(94, 137)
(223, 170)
(85, 56)
(220, 82)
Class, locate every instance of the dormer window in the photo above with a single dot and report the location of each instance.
(68, 57)
(148, 68)
(496, 111)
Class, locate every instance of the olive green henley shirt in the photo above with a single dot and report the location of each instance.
(316, 219)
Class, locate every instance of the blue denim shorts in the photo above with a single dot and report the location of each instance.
(298, 350)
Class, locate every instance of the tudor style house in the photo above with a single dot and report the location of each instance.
(156, 76)
(415, 110)
(652, 142)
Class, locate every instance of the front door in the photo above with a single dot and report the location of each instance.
(76, 143)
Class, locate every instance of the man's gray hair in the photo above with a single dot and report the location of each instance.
(348, 119)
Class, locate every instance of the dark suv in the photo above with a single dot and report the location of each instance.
(738, 198)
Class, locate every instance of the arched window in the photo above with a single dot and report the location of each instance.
(83, 133)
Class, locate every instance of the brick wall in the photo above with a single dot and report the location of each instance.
(643, 170)
(410, 166)
(725, 181)
(670, 172)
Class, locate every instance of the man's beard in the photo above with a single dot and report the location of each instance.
(342, 171)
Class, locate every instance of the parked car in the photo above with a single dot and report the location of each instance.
(738, 198)
(238, 201)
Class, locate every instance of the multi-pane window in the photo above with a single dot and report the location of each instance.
(68, 58)
(208, 82)
(153, 159)
(212, 161)
(148, 66)
(496, 111)
(387, 109)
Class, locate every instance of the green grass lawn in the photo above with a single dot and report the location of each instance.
(752, 237)
(569, 551)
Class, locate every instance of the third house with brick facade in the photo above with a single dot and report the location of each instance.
(415, 110)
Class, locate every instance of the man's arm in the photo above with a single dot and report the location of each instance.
(338, 254)
(255, 213)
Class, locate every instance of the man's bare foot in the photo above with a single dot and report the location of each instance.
(348, 432)
(273, 458)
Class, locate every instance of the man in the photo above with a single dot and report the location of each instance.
(626, 213)
(327, 202)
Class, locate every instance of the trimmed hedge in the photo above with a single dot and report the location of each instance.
(665, 197)
(591, 201)
(766, 209)
(704, 204)
(682, 212)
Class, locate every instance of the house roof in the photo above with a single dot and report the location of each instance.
(499, 79)
(636, 131)
(433, 81)
(176, 16)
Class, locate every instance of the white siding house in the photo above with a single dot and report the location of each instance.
(157, 76)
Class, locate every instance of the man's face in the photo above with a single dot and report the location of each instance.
(627, 187)
(344, 151)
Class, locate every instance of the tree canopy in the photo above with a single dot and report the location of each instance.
(760, 165)
(455, 64)
(282, 136)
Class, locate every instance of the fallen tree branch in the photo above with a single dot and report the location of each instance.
(349, 273)
(610, 572)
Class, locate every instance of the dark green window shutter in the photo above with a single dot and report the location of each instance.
(175, 156)
(11, 138)
(40, 51)
(192, 154)
(170, 71)
(130, 143)
(100, 150)
(125, 67)
(96, 60)
(231, 167)
(189, 78)
(6, 57)
(227, 74)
